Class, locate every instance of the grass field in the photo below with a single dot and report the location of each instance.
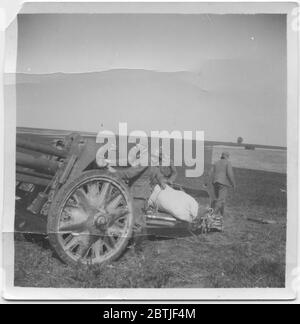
(271, 160)
(246, 254)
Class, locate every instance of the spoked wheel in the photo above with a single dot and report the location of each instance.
(91, 220)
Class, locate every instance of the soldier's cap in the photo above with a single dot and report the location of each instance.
(225, 155)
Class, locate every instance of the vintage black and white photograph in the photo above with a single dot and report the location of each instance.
(151, 149)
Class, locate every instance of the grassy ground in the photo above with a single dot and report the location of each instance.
(247, 254)
(258, 159)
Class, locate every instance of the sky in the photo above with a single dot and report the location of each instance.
(225, 74)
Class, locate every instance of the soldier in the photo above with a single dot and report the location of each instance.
(158, 173)
(162, 175)
(222, 177)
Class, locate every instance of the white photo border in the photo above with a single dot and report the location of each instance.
(192, 294)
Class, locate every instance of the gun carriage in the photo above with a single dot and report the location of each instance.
(90, 214)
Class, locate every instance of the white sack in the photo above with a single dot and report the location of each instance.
(174, 202)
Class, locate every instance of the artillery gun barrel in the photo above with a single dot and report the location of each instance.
(37, 163)
(41, 148)
(29, 172)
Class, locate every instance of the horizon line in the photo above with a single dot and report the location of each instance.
(63, 132)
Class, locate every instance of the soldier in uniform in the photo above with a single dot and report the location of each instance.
(222, 177)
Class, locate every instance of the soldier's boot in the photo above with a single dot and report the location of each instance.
(217, 223)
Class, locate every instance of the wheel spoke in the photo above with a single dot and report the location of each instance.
(77, 218)
(109, 241)
(76, 213)
(72, 242)
(114, 203)
(93, 189)
(72, 227)
(103, 193)
(93, 194)
(82, 199)
(86, 243)
(98, 248)
(117, 214)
